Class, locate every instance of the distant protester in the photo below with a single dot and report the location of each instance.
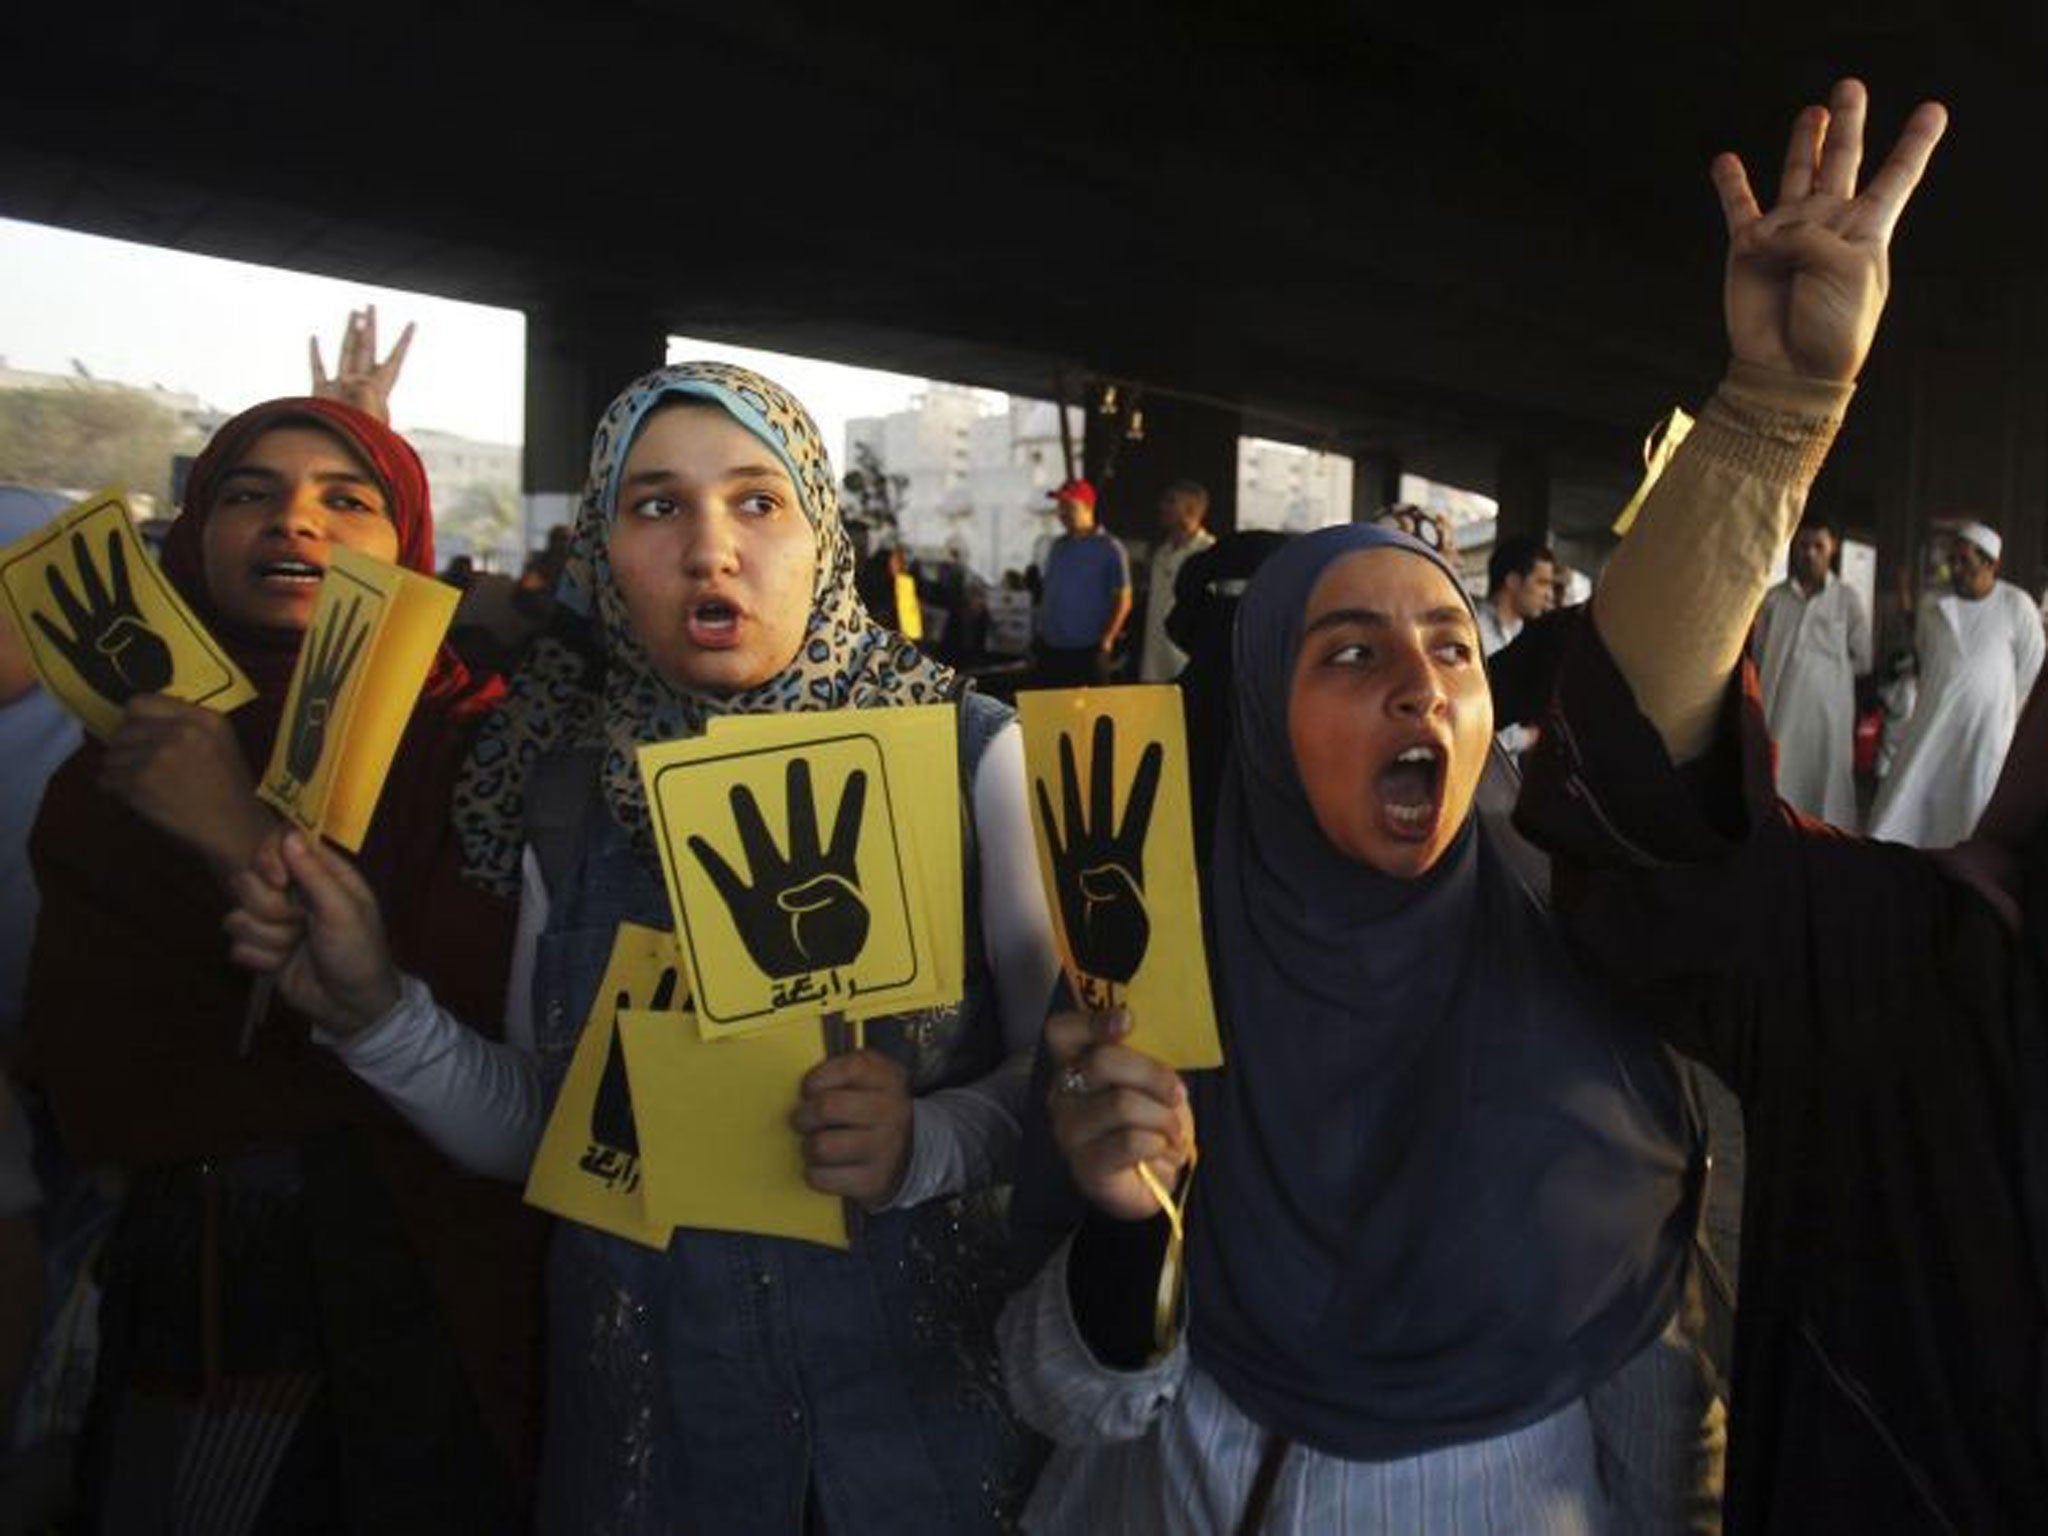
(1183, 510)
(1979, 650)
(1521, 578)
(1813, 642)
(1085, 596)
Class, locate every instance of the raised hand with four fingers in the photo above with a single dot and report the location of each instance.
(1806, 282)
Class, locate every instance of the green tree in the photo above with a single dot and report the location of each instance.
(484, 514)
(873, 495)
(91, 436)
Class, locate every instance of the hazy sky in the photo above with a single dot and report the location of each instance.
(234, 334)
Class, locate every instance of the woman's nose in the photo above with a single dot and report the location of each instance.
(710, 547)
(1417, 690)
(300, 512)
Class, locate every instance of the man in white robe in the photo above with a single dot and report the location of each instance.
(1980, 647)
(1183, 506)
(1813, 639)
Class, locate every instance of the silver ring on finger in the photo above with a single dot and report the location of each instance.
(1073, 1083)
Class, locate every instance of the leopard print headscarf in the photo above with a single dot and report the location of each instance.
(588, 682)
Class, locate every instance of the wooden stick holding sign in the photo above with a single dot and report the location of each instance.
(102, 623)
(843, 1036)
(1109, 770)
(375, 631)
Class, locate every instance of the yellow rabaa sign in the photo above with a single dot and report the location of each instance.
(1109, 773)
(716, 1146)
(657, 1128)
(813, 863)
(588, 1164)
(372, 641)
(102, 623)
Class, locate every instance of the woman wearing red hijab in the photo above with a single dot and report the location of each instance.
(312, 1321)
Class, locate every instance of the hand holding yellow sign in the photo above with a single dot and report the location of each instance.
(588, 1164)
(372, 641)
(1119, 864)
(656, 1128)
(802, 854)
(102, 622)
(716, 1146)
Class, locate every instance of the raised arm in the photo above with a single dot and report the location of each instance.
(1804, 289)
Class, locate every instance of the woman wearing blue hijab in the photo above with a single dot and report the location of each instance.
(1444, 1193)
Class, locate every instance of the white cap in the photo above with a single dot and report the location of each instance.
(1986, 539)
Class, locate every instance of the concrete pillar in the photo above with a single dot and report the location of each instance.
(1522, 487)
(1184, 440)
(1375, 482)
(579, 354)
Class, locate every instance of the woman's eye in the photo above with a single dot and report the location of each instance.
(653, 506)
(1459, 651)
(1354, 655)
(341, 501)
(761, 503)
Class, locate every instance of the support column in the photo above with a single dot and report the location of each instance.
(1375, 482)
(1184, 440)
(580, 352)
(1522, 487)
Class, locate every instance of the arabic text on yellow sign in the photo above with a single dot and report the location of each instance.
(802, 854)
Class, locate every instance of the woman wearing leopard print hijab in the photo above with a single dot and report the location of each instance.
(732, 1382)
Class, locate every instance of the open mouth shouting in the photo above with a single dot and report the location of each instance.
(289, 576)
(1410, 791)
(713, 623)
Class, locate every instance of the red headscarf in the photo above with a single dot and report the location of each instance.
(269, 655)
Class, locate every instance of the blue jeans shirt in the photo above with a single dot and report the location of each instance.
(721, 1385)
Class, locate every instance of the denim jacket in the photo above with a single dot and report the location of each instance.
(725, 1383)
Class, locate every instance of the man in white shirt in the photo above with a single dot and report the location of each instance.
(1520, 576)
(1813, 640)
(1980, 647)
(1183, 506)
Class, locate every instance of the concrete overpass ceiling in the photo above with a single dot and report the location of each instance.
(1432, 229)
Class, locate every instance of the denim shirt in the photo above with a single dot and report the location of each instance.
(726, 1382)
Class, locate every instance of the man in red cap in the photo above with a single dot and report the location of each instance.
(1086, 596)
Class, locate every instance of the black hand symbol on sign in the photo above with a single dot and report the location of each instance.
(1099, 869)
(803, 913)
(116, 653)
(611, 1113)
(336, 645)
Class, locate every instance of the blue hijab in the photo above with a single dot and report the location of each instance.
(1443, 1190)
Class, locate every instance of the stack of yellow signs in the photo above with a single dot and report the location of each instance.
(813, 863)
(1109, 774)
(656, 1128)
(372, 641)
(103, 624)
